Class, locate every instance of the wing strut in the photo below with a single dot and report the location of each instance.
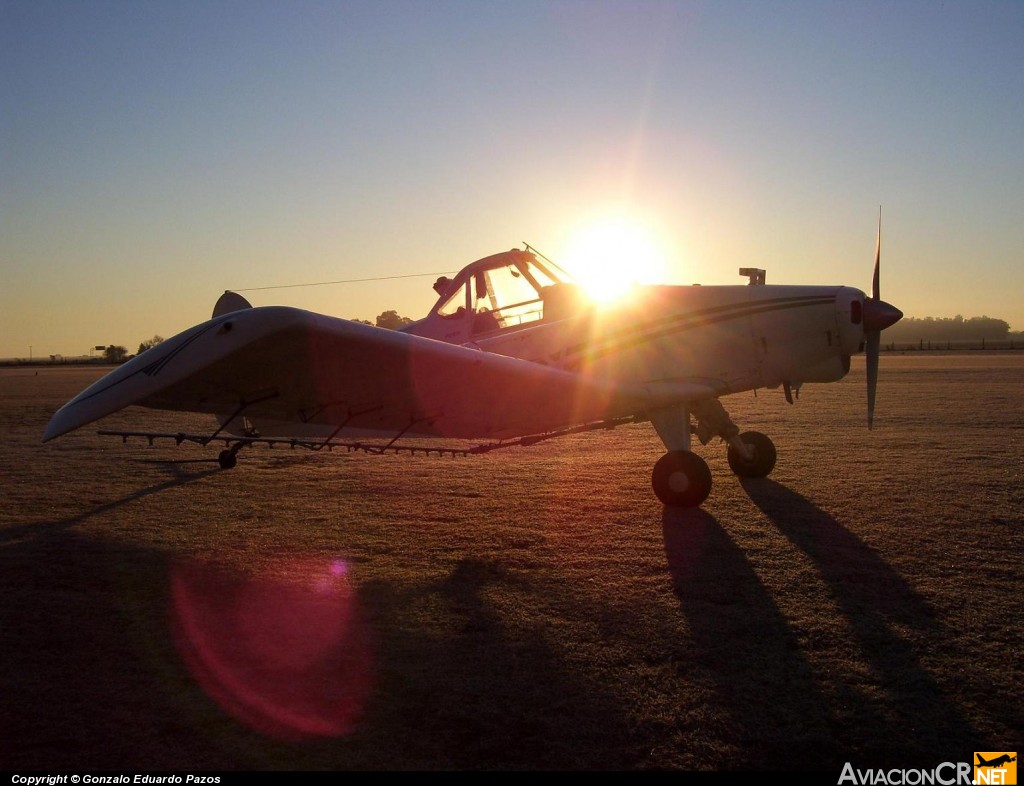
(345, 422)
(237, 412)
(334, 433)
(402, 433)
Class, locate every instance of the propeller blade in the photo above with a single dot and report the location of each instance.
(875, 288)
(878, 315)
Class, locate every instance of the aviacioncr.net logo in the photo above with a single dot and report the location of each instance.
(998, 768)
(949, 773)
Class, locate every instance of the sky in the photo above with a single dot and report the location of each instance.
(154, 154)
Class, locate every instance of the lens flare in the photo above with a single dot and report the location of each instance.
(284, 651)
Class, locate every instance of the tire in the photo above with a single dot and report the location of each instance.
(681, 479)
(763, 460)
(227, 459)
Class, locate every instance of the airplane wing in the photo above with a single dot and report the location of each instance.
(289, 366)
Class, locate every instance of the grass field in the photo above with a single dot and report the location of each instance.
(531, 608)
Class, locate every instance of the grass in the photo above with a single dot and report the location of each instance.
(531, 608)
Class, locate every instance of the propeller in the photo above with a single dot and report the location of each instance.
(878, 315)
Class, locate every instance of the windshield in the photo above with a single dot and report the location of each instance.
(509, 295)
(505, 291)
(454, 304)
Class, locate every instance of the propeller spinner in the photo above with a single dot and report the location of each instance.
(878, 315)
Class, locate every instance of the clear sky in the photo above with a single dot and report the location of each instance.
(153, 154)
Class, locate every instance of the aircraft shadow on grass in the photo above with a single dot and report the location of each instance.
(37, 529)
(876, 600)
(91, 682)
(96, 682)
(775, 712)
(483, 691)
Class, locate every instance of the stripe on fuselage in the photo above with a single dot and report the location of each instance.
(637, 336)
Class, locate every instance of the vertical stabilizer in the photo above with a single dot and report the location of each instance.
(228, 302)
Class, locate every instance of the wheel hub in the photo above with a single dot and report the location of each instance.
(678, 482)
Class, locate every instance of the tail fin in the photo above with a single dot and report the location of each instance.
(228, 302)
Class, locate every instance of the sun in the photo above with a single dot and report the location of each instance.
(608, 256)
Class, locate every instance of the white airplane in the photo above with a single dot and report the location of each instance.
(511, 353)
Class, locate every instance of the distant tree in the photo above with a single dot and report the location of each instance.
(392, 321)
(948, 329)
(363, 321)
(149, 344)
(115, 354)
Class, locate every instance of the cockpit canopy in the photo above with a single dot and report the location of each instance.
(507, 290)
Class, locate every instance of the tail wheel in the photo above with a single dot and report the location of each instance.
(762, 456)
(681, 479)
(227, 459)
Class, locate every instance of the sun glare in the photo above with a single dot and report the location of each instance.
(608, 257)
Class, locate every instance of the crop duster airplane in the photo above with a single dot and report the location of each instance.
(512, 353)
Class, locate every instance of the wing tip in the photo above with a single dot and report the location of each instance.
(58, 426)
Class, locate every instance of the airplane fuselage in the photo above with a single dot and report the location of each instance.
(730, 338)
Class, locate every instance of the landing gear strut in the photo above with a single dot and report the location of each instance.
(757, 461)
(681, 478)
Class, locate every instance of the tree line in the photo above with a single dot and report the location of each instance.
(950, 329)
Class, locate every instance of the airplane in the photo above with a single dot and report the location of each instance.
(512, 353)
(998, 760)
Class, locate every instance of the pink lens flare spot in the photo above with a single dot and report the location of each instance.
(284, 651)
(339, 568)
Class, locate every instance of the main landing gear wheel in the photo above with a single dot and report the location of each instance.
(681, 479)
(227, 459)
(762, 456)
